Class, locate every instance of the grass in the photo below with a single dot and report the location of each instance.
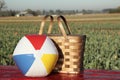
(102, 49)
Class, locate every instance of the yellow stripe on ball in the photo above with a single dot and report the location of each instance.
(48, 60)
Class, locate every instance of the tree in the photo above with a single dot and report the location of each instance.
(59, 12)
(2, 4)
(51, 12)
(29, 11)
(38, 12)
(118, 7)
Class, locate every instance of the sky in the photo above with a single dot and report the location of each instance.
(61, 4)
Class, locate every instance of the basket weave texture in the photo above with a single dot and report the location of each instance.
(70, 47)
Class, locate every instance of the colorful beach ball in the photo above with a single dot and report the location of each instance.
(35, 55)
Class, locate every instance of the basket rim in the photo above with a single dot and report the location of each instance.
(59, 35)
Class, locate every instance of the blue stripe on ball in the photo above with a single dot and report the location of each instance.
(24, 61)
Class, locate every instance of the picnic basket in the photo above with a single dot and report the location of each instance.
(70, 47)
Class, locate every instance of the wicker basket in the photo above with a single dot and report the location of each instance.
(70, 48)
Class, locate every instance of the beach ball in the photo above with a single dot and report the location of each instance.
(35, 55)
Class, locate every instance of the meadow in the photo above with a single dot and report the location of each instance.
(102, 49)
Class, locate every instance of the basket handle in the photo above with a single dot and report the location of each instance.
(43, 23)
(61, 26)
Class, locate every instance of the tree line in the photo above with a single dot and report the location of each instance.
(4, 12)
(57, 12)
(39, 12)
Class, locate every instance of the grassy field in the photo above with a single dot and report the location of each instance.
(102, 50)
(81, 18)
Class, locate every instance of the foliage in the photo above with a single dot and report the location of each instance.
(2, 4)
(114, 10)
(8, 13)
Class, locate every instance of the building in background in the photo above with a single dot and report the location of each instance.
(24, 13)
